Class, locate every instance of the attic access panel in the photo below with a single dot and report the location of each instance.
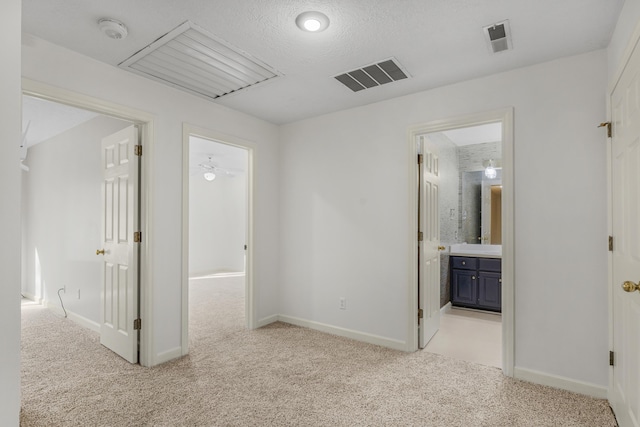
(373, 75)
(192, 59)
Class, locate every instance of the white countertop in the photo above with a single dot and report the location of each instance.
(479, 251)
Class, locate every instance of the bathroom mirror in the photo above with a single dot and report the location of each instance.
(481, 208)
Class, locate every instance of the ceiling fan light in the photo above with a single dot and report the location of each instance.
(209, 176)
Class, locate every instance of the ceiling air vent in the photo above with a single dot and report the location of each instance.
(498, 36)
(373, 75)
(191, 59)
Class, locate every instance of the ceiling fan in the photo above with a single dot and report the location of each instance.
(210, 170)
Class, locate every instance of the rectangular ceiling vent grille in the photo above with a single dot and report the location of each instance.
(191, 59)
(498, 36)
(373, 75)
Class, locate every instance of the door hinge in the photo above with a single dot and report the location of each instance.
(420, 159)
(137, 237)
(420, 313)
(420, 236)
(612, 358)
(137, 324)
(608, 126)
(611, 243)
(137, 150)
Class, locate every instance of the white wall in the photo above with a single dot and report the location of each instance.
(10, 112)
(59, 67)
(346, 211)
(63, 214)
(217, 224)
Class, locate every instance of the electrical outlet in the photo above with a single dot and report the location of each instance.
(343, 303)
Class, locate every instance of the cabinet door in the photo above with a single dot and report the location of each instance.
(463, 287)
(490, 290)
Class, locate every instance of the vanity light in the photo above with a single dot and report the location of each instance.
(313, 22)
(209, 176)
(490, 171)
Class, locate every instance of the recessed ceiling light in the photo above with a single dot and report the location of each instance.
(113, 29)
(313, 22)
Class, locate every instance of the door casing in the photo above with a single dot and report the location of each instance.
(145, 122)
(505, 116)
(189, 130)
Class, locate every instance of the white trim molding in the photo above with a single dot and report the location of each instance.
(76, 318)
(563, 383)
(251, 292)
(146, 123)
(343, 332)
(506, 117)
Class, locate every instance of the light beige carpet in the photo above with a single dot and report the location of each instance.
(279, 375)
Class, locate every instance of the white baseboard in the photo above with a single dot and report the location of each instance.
(83, 321)
(563, 383)
(168, 355)
(267, 320)
(32, 297)
(76, 318)
(348, 333)
(446, 308)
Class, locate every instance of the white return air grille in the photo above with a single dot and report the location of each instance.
(191, 59)
(373, 75)
(498, 36)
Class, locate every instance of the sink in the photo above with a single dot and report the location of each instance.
(476, 250)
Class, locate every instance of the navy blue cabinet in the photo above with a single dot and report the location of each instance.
(476, 282)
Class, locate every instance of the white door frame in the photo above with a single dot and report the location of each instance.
(189, 130)
(508, 231)
(145, 122)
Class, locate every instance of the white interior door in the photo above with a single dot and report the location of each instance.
(429, 255)
(120, 252)
(624, 391)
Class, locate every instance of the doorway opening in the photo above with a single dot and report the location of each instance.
(217, 215)
(462, 266)
(106, 114)
(469, 234)
(63, 209)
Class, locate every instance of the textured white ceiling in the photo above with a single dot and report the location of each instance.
(438, 41)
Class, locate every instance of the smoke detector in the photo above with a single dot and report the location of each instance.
(498, 36)
(113, 29)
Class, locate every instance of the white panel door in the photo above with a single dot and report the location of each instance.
(120, 257)
(429, 255)
(624, 391)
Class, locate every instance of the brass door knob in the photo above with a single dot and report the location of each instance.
(441, 248)
(629, 286)
(100, 251)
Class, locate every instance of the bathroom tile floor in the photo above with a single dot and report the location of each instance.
(471, 336)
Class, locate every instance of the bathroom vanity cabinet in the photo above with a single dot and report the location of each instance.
(476, 282)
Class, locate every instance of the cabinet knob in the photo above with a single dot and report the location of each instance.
(464, 262)
(473, 277)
